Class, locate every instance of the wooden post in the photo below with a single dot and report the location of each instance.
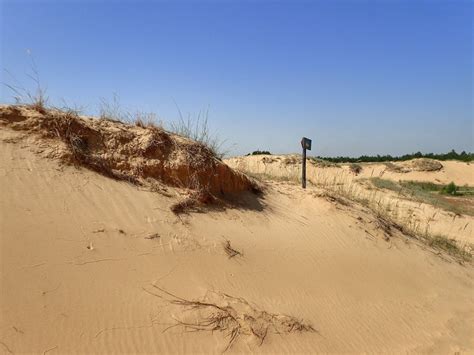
(305, 144)
(303, 170)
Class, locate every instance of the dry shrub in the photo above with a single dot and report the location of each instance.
(386, 225)
(356, 169)
(193, 203)
(68, 127)
(233, 316)
(268, 160)
(292, 160)
(395, 168)
(321, 163)
(426, 165)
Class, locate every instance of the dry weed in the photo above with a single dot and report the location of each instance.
(233, 316)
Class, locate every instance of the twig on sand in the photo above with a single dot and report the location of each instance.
(35, 265)
(49, 291)
(44, 352)
(231, 252)
(153, 236)
(6, 347)
(151, 325)
(96, 261)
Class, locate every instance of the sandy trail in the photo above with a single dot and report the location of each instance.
(303, 256)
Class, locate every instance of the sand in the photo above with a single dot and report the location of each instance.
(80, 254)
(340, 179)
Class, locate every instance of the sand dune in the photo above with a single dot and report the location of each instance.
(81, 253)
(339, 179)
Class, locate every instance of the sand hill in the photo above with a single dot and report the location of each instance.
(94, 260)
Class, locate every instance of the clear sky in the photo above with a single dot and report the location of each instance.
(358, 77)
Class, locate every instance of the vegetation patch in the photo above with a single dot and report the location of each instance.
(448, 245)
(437, 195)
(322, 163)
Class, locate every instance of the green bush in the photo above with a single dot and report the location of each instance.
(450, 189)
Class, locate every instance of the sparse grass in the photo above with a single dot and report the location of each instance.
(147, 120)
(289, 178)
(385, 184)
(395, 168)
(450, 246)
(112, 110)
(37, 98)
(198, 129)
(318, 162)
(430, 193)
(341, 188)
(387, 222)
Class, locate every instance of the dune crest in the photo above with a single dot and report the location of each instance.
(128, 152)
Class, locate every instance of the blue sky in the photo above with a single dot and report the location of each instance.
(358, 77)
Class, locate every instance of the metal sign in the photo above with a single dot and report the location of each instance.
(306, 143)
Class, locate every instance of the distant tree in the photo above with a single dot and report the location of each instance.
(260, 152)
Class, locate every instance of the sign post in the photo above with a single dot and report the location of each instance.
(305, 144)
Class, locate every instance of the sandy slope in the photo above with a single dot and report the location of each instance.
(459, 172)
(303, 256)
(340, 178)
(289, 166)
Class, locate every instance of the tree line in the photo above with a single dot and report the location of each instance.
(452, 155)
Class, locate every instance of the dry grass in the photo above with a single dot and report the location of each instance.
(395, 168)
(197, 129)
(37, 98)
(68, 128)
(233, 316)
(321, 163)
(125, 152)
(428, 193)
(147, 120)
(342, 187)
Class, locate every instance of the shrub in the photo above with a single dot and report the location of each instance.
(450, 189)
(355, 168)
